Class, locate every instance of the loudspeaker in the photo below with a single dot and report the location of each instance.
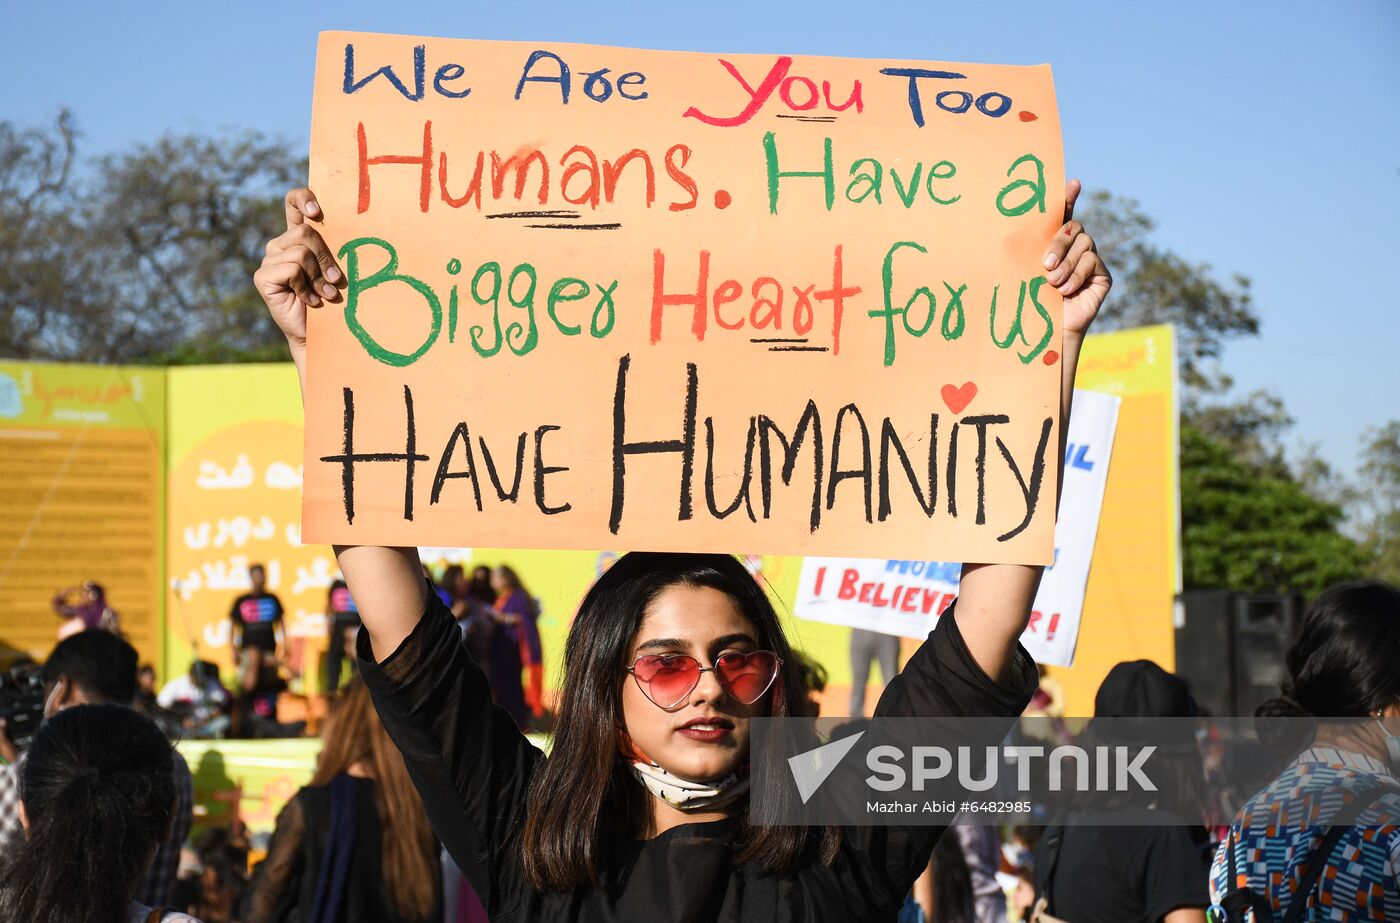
(1230, 647)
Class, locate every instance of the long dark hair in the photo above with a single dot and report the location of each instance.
(98, 790)
(450, 580)
(560, 843)
(354, 734)
(953, 897)
(1342, 663)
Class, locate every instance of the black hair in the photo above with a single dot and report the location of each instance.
(98, 790)
(953, 898)
(1342, 663)
(202, 672)
(97, 662)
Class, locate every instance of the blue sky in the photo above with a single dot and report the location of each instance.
(1264, 138)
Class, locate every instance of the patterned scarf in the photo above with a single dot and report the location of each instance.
(688, 795)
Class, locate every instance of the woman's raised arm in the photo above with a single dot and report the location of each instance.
(994, 600)
(298, 273)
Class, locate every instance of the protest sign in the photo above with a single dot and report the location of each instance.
(904, 597)
(605, 297)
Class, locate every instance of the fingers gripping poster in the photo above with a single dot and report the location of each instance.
(608, 297)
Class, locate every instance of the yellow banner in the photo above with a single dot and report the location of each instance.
(81, 451)
(1136, 571)
(235, 490)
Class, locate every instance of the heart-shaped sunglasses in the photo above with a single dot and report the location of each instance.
(666, 679)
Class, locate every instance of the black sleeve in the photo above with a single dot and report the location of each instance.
(1174, 869)
(941, 680)
(275, 885)
(469, 761)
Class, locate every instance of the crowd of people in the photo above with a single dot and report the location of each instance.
(430, 804)
(96, 814)
(497, 615)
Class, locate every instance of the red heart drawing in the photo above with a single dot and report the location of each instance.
(958, 398)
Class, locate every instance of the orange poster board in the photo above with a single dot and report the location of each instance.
(607, 297)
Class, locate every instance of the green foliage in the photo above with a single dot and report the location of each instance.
(1252, 528)
(1378, 496)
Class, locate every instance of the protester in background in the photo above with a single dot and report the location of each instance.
(354, 845)
(98, 798)
(1018, 862)
(213, 875)
(481, 584)
(867, 646)
(438, 588)
(343, 621)
(472, 601)
(145, 687)
(99, 668)
(640, 811)
(981, 851)
(146, 702)
(1145, 852)
(944, 892)
(258, 636)
(199, 700)
(1343, 663)
(814, 681)
(519, 630)
(83, 608)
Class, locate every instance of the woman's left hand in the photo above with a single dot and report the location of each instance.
(1073, 266)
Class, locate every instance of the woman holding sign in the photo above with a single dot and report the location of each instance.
(642, 811)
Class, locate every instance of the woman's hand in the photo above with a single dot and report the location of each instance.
(1073, 266)
(298, 271)
(994, 602)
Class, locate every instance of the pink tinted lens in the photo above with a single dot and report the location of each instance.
(668, 678)
(747, 676)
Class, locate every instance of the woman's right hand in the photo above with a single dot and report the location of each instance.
(298, 271)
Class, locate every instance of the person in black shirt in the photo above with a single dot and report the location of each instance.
(1148, 855)
(257, 616)
(344, 621)
(257, 634)
(641, 811)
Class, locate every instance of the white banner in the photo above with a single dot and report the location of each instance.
(907, 597)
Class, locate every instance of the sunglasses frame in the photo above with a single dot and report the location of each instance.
(777, 671)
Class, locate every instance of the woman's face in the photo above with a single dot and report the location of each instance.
(704, 623)
(499, 584)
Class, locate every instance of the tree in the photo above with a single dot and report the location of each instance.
(1251, 528)
(1378, 499)
(186, 219)
(1155, 286)
(47, 283)
(1252, 428)
(147, 257)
